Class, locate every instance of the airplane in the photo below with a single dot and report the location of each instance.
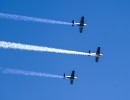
(81, 24)
(72, 77)
(97, 54)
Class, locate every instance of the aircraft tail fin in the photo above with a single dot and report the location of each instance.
(64, 75)
(73, 22)
(89, 52)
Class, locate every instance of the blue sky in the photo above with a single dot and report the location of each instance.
(108, 27)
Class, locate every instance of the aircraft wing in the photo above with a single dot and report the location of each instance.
(97, 58)
(72, 74)
(98, 50)
(80, 29)
(82, 20)
(71, 82)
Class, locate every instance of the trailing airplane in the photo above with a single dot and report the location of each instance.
(81, 24)
(72, 77)
(97, 54)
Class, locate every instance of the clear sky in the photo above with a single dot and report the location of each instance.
(108, 27)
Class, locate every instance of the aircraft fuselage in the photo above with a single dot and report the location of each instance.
(72, 78)
(96, 55)
(81, 25)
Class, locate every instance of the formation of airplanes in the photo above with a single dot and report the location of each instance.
(96, 55)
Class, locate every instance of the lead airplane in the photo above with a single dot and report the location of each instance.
(97, 54)
(81, 24)
(72, 77)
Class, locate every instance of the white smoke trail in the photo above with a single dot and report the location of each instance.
(29, 73)
(11, 45)
(32, 19)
